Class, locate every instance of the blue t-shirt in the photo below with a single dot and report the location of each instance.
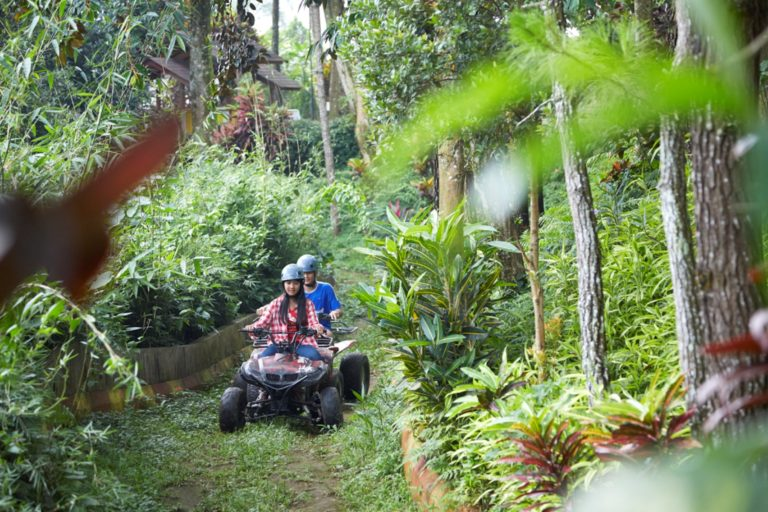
(325, 301)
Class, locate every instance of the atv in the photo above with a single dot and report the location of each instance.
(286, 384)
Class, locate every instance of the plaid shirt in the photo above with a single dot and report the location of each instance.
(271, 320)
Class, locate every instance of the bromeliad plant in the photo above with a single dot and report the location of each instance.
(633, 431)
(547, 453)
(441, 279)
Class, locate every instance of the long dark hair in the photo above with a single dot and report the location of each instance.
(301, 308)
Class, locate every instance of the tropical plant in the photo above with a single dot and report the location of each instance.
(487, 388)
(634, 431)
(48, 459)
(721, 385)
(441, 280)
(548, 452)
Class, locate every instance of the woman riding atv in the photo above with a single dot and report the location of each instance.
(289, 312)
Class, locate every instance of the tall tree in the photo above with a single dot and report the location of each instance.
(451, 166)
(726, 297)
(276, 29)
(673, 194)
(200, 61)
(317, 56)
(332, 10)
(588, 257)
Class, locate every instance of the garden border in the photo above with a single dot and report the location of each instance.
(428, 490)
(167, 370)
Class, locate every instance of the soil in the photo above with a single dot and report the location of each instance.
(184, 497)
(312, 478)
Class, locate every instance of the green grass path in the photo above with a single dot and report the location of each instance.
(172, 457)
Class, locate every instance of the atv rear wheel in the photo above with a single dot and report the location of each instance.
(338, 382)
(357, 375)
(232, 410)
(330, 407)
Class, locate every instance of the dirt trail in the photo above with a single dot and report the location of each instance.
(305, 471)
(308, 473)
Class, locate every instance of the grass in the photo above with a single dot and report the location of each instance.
(172, 457)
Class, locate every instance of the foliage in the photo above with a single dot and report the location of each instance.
(548, 452)
(634, 431)
(403, 49)
(722, 384)
(623, 84)
(305, 145)
(487, 387)
(343, 141)
(441, 277)
(201, 247)
(368, 446)
(252, 119)
(48, 458)
(639, 307)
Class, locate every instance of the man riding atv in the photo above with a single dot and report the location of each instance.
(321, 294)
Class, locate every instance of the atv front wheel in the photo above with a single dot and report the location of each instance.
(238, 381)
(357, 375)
(232, 410)
(330, 407)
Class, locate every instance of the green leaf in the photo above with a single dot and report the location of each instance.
(101, 280)
(504, 246)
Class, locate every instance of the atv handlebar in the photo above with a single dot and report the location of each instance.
(340, 327)
(262, 337)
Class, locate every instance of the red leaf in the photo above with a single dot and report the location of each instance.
(723, 383)
(679, 421)
(739, 344)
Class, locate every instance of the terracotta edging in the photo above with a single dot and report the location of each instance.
(428, 490)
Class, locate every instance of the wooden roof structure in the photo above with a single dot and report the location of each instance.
(177, 66)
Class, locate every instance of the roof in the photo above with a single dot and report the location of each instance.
(267, 55)
(177, 67)
(267, 73)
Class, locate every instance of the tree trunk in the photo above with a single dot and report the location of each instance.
(200, 62)
(333, 9)
(276, 29)
(512, 264)
(726, 295)
(677, 229)
(644, 11)
(537, 292)
(314, 24)
(587, 251)
(356, 105)
(450, 165)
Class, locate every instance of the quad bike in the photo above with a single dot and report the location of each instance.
(285, 384)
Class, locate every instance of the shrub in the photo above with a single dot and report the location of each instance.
(305, 145)
(48, 460)
(201, 246)
(441, 278)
